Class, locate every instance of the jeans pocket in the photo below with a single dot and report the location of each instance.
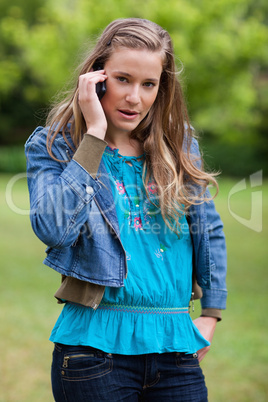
(80, 373)
(184, 360)
(84, 364)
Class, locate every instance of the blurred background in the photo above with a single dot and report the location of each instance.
(222, 46)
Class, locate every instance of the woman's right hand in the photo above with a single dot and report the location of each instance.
(90, 105)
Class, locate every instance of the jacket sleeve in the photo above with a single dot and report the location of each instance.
(60, 192)
(213, 299)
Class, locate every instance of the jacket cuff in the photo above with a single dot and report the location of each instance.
(212, 312)
(79, 292)
(89, 153)
(214, 298)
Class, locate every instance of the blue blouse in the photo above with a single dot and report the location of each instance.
(150, 313)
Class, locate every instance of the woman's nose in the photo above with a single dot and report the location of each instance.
(133, 95)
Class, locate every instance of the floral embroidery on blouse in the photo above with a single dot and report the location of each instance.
(159, 252)
(137, 223)
(138, 210)
(150, 210)
(120, 187)
(162, 248)
(126, 214)
(152, 187)
(128, 256)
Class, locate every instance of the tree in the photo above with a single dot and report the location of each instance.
(222, 46)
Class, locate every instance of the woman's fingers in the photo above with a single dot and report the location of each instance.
(87, 84)
(89, 102)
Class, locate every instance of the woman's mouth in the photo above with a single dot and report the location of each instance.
(128, 114)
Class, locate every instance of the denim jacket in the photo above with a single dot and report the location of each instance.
(73, 213)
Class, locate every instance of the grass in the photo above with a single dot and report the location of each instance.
(236, 366)
(12, 159)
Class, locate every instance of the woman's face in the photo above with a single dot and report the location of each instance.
(132, 86)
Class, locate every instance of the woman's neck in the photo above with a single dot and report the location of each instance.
(126, 146)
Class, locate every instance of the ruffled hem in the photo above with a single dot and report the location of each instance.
(127, 333)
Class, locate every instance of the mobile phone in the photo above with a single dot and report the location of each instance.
(100, 86)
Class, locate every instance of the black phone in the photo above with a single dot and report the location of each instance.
(100, 86)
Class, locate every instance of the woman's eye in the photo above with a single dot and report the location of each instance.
(121, 79)
(149, 84)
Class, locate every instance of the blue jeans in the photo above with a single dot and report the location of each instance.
(81, 373)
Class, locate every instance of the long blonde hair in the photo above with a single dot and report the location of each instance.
(165, 132)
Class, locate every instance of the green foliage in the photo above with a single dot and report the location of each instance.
(222, 44)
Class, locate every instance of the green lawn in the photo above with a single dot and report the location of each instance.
(235, 368)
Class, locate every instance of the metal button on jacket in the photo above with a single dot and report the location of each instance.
(89, 190)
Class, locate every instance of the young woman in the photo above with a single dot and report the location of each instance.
(119, 196)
